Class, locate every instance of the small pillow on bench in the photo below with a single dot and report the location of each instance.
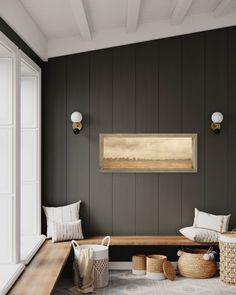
(61, 214)
(218, 223)
(67, 231)
(200, 234)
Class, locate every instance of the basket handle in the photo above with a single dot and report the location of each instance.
(75, 245)
(108, 239)
(210, 250)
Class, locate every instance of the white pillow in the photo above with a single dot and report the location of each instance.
(219, 223)
(61, 214)
(200, 234)
(67, 231)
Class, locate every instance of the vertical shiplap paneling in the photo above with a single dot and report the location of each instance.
(146, 89)
(78, 145)
(54, 133)
(170, 116)
(216, 96)
(232, 125)
(139, 94)
(124, 122)
(100, 122)
(193, 117)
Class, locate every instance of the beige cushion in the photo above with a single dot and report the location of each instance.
(61, 214)
(67, 231)
(218, 223)
(200, 234)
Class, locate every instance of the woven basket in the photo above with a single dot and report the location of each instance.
(192, 265)
(228, 258)
(139, 264)
(155, 267)
(101, 260)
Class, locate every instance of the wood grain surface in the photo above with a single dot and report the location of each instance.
(41, 275)
(144, 241)
(44, 270)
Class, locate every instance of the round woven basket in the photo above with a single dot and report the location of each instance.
(139, 264)
(228, 258)
(192, 265)
(155, 267)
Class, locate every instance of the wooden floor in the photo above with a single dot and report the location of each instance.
(41, 275)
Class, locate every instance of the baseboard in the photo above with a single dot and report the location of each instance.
(120, 265)
(127, 265)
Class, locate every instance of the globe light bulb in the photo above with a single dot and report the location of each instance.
(217, 117)
(76, 117)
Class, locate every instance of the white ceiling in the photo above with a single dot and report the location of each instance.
(71, 26)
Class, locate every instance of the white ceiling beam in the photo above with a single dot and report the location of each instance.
(18, 18)
(147, 31)
(180, 11)
(224, 8)
(133, 10)
(77, 7)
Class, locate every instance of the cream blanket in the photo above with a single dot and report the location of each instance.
(84, 262)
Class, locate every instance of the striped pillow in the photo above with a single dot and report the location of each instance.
(67, 231)
(61, 214)
(200, 234)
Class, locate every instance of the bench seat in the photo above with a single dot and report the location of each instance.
(145, 241)
(41, 275)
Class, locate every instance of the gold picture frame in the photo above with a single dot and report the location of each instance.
(148, 152)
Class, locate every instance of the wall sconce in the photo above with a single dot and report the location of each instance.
(76, 118)
(216, 118)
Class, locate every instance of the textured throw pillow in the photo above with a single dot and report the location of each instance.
(67, 231)
(62, 214)
(200, 234)
(219, 223)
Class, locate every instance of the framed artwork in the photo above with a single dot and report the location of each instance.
(156, 152)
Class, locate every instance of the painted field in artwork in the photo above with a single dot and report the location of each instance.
(141, 153)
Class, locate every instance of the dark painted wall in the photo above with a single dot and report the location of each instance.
(170, 85)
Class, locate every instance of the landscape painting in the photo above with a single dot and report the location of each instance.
(148, 152)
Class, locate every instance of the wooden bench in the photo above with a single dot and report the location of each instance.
(42, 273)
(145, 241)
